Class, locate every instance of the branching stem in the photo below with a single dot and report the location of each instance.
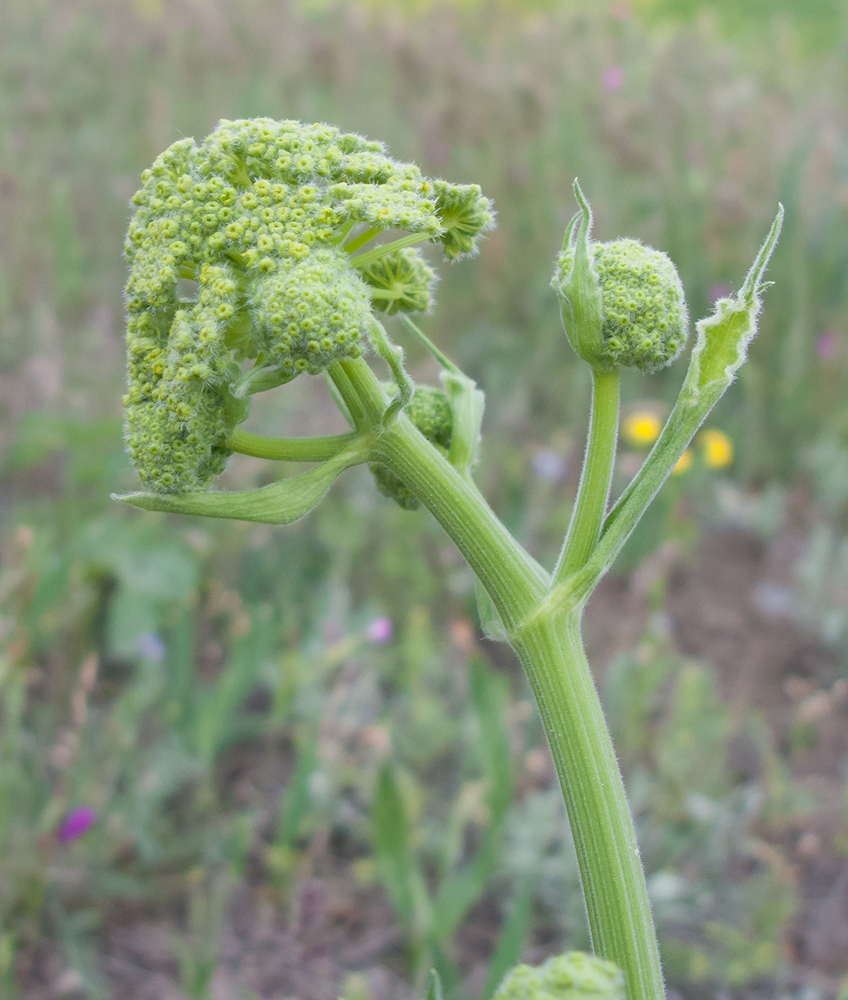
(363, 259)
(309, 449)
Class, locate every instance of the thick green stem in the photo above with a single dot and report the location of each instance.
(613, 881)
(362, 413)
(512, 578)
(548, 642)
(596, 479)
(309, 449)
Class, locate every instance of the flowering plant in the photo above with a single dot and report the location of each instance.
(275, 228)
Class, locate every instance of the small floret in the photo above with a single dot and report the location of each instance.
(243, 248)
(401, 281)
(430, 411)
(573, 976)
(310, 314)
(464, 213)
(644, 317)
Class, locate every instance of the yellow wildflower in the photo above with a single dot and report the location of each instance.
(717, 449)
(684, 463)
(641, 428)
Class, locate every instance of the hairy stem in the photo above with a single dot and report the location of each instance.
(596, 479)
(614, 886)
(549, 645)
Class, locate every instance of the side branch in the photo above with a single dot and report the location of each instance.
(308, 449)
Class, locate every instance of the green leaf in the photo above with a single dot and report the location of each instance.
(511, 940)
(723, 338)
(579, 290)
(433, 990)
(490, 620)
(391, 837)
(278, 503)
(467, 403)
(488, 695)
(295, 804)
(460, 890)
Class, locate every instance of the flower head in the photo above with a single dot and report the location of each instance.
(379, 631)
(243, 248)
(75, 824)
(641, 428)
(401, 281)
(717, 448)
(644, 316)
(622, 303)
(573, 976)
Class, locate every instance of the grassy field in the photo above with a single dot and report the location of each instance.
(270, 740)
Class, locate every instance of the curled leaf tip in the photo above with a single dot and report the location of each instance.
(582, 200)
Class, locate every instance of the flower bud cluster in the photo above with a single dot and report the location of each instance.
(573, 976)
(430, 411)
(256, 216)
(644, 316)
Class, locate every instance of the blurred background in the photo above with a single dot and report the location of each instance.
(245, 762)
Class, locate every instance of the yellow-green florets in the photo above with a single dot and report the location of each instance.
(573, 976)
(644, 316)
(430, 411)
(240, 248)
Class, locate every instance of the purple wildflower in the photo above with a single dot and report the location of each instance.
(379, 631)
(75, 824)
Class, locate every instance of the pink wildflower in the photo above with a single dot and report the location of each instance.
(379, 631)
(613, 78)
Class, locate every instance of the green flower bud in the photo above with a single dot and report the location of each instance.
(430, 411)
(573, 976)
(622, 302)
(465, 215)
